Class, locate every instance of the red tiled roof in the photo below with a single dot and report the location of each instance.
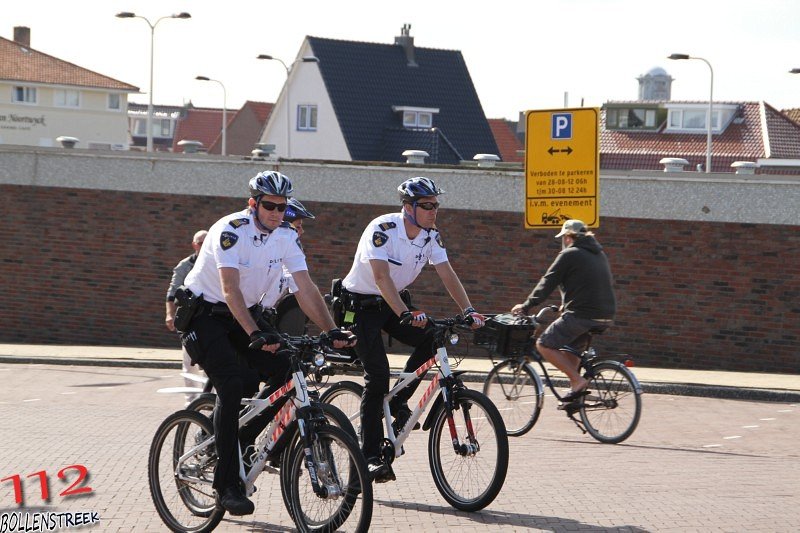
(200, 124)
(244, 129)
(743, 141)
(24, 64)
(507, 141)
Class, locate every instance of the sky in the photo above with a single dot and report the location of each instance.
(521, 54)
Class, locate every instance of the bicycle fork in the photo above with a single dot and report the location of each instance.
(471, 447)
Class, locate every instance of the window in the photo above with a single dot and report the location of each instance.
(307, 118)
(693, 119)
(633, 118)
(416, 117)
(25, 95)
(114, 102)
(165, 127)
(67, 98)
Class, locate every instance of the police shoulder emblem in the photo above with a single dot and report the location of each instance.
(387, 225)
(379, 238)
(439, 240)
(236, 222)
(227, 240)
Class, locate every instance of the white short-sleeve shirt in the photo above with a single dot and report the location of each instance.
(235, 242)
(385, 238)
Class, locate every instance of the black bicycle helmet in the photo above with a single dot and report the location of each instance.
(271, 183)
(414, 188)
(295, 210)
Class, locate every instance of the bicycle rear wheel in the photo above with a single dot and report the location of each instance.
(516, 390)
(204, 404)
(346, 395)
(611, 410)
(181, 490)
(346, 501)
(471, 477)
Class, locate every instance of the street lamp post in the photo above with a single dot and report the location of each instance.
(129, 15)
(795, 71)
(305, 59)
(224, 112)
(710, 104)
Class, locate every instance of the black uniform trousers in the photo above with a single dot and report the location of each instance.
(371, 351)
(222, 351)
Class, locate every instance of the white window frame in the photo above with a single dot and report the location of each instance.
(119, 102)
(416, 117)
(66, 102)
(676, 118)
(29, 95)
(307, 116)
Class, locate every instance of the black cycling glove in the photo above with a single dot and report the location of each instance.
(337, 334)
(261, 338)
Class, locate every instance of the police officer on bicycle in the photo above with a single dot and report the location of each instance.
(391, 253)
(243, 258)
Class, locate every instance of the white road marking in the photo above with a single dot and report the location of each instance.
(785, 410)
(749, 427)
(712, 446)
(69, 392)
(733, 437)
(32, 400)
(765, 419)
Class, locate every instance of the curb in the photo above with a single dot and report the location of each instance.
(677, 389)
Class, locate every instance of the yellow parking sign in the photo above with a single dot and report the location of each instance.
(562, 167)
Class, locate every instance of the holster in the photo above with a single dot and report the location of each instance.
(188, 305)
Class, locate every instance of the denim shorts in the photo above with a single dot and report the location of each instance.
(569, 333)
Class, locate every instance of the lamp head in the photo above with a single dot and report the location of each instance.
(678, 56)
(125, 15)
(264, 56)
(310, 59)
(202, 78)
(182, 15)
(795, 71)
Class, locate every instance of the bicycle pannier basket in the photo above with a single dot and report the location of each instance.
(505, 335)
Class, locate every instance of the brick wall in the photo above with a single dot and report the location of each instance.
(92, 267)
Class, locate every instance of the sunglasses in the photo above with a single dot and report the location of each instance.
(272, 206)
(428, 206)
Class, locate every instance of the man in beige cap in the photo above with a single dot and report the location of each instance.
(582, 274)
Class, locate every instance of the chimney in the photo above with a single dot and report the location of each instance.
(407, 42)
(22, 35)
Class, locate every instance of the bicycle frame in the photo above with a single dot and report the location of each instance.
(406, 378)
(297, 390)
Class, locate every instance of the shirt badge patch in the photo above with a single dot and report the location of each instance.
(379, 238)
(439, 240)
(227, 240)
(387, 225)
(237, 222)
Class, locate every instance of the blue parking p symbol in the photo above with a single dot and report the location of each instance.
(561, 127)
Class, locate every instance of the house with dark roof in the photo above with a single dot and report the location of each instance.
(45, 100)
(357, 101)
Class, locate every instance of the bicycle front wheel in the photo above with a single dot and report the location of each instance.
(344, 500)
(611, 410)
(468, 468)
(181, 489)
(516, 390)
(346, 395)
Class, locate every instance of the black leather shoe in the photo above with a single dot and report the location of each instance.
(401, 416)
(232, 500)
(379, 471)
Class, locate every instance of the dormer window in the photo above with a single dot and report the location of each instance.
(691, 118)
(416, 117)
(634, 117)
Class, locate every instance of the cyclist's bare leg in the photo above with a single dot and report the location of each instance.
(566, 362)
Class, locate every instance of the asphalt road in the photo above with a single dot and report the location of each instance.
(693, 464)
